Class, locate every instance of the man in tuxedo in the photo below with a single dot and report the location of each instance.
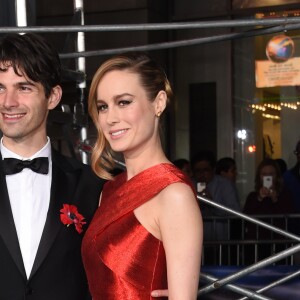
(44, 196)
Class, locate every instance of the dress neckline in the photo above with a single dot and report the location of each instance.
(162, 165)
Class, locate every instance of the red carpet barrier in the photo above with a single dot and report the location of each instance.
(254, 281)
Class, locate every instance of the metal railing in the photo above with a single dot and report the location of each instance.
(235, 241)
(289, 240)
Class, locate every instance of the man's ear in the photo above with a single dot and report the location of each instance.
(54, 97)
(160, 102)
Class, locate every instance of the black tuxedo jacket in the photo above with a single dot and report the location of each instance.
(57, 272)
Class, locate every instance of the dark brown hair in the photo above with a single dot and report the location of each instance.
(31, 56)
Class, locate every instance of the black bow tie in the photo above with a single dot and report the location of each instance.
(14, 165)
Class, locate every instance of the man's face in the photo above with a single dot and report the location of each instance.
(23, 109)
(230, 174)
(203, 171)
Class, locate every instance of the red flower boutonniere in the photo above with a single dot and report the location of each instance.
(70, 215)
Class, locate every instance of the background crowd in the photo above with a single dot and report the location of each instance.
(275, 199)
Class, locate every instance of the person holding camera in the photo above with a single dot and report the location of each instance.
(270, 197)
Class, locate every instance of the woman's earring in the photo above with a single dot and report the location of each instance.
(158, 113)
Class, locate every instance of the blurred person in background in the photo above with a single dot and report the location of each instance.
(292, 179)
(226, 167)
(219, 190)
(184, 165)
(215, 187)
(270, 197)
(282, 165)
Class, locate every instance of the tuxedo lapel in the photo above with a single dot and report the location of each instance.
(63, 186)
(7, 226)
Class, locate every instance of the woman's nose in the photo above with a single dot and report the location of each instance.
(112, 116)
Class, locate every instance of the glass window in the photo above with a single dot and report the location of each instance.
(266, 100)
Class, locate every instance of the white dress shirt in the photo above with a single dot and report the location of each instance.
(29, 195)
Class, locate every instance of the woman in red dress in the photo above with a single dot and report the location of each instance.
(147, 232)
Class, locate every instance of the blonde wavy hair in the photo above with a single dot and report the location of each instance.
(153, 79)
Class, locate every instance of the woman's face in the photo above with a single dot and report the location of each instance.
(268, 171)
(125, 114)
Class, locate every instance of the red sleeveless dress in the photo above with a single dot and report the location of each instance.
(121, 258)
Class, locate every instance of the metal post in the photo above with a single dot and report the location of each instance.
(21, 13)
(79, 108)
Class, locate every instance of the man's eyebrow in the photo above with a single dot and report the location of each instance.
(25, 83)
(20, 83)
